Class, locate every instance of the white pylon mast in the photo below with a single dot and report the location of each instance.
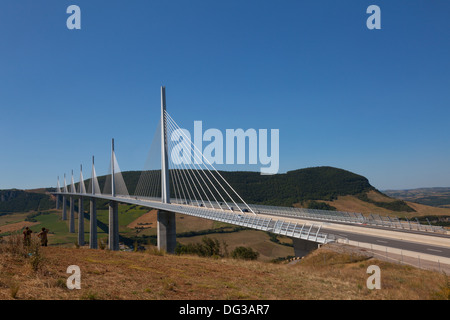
(92, 177)
(165, 190)
(113, 187)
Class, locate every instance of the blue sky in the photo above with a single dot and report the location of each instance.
(374, 102)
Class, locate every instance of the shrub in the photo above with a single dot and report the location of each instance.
(13, 290)
(207, 248)
(101, 244)
(245, 253)
(36, 258)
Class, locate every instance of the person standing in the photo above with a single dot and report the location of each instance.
(43, 236)
(27, 237)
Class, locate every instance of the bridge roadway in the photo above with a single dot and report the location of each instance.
(429, 244)
(407, 240)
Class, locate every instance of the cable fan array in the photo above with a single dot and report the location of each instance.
(193, 179)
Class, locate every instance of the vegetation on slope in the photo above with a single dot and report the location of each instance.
(317, 183)
(22, 201)
(152, 275)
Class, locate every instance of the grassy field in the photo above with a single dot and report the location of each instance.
(324, 274)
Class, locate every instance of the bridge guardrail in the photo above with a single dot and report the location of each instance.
(302, 231)
(305, 231)
(348, 217)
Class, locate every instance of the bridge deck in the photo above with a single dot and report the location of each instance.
(304, 231)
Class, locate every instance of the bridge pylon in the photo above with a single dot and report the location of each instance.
(93, 214)
(57, 198)
(113, 234)
(64, 201)
(166, 226)
(72, 208)
(81, 210)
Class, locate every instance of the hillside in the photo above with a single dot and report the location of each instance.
(14, 200)
(106, 275)
(302, 186)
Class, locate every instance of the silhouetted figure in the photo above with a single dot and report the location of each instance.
(27, 236)
(43, 236)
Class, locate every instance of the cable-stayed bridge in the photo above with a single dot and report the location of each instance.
(177, 178)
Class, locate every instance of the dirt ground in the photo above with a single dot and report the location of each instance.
(16, 226)
(147, 220)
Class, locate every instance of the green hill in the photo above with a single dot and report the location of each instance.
(298, 186)
(317, 183)
(14, 200)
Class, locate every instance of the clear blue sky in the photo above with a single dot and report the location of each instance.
(375, 102)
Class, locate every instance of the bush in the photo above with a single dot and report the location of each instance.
(397, 205)
(36, 258)
(207, 248)
(245, 253)
(320, 206)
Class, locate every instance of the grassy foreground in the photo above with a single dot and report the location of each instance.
(324, 274)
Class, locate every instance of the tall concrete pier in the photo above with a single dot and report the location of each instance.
(113, 235)
(80, 222)
(93, 224)
(72, 216)
(64, 208)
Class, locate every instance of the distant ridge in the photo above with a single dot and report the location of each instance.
(436, 197)
(15, 200)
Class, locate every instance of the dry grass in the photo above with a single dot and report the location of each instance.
(424, 210)
(325, 274)
(352, 204)
(379, 197)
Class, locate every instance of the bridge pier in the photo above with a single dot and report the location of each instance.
(93, 224)
(80, 222)
(72, 216)
(303, 247)
(166, 231)
(113, 235)
(64, 208)
(57, 202)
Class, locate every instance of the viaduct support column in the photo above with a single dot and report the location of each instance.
(93, 224)
(166, 229)
(64, 208)
(57, 202)
(80, 222)
(72, 216)
(113, 235)
(303, 247)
